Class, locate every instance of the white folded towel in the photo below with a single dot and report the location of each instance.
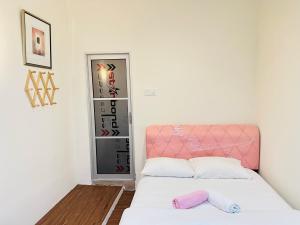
(223, 203)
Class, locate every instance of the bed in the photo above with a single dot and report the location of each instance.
(260, 204)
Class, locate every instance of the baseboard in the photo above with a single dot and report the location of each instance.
(128, 185)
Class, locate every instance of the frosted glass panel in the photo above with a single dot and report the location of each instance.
(111, 118)
(109, 78)
(113, 156)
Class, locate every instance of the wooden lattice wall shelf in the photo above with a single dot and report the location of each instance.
(40, 88)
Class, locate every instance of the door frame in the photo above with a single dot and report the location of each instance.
(93, 158)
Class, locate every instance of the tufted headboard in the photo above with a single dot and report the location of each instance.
(189, 141)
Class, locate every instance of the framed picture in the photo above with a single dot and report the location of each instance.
(36, 37)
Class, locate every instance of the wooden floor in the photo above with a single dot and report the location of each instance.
(84, 205)
(123, 203)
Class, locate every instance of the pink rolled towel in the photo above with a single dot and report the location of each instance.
(190, 200)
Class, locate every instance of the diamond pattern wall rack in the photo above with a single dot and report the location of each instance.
(40, 88)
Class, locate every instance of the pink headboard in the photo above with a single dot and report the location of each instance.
(189, 141)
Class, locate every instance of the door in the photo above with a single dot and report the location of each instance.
(111, 126)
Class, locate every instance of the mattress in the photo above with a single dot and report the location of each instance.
(260, 204)
(250, 194)
(149, 216)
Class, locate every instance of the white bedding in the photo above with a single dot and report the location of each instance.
(250, 194)
(260, 204)
(148, 216)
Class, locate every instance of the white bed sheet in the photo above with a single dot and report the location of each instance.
(250, 194)
(260, 204)
(149, 216)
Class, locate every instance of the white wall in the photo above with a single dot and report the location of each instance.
(199, 54)
(35, 166)
(279, 94)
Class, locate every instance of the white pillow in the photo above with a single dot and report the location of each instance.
(168, 167)
(218, 168)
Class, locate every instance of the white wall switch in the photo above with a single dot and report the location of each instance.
(150, 92)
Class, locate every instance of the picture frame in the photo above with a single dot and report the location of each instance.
(36, 41)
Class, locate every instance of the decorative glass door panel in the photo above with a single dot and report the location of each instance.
(116, 156)
(111, 151)
(111, 118)
(109, 78)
